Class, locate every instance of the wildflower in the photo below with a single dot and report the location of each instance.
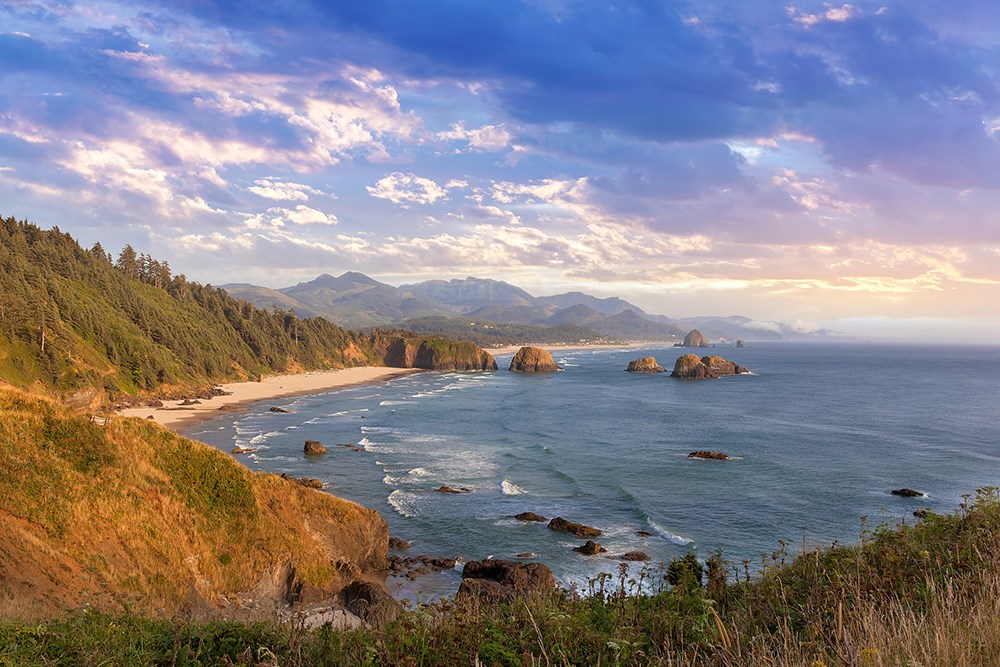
(868, 655)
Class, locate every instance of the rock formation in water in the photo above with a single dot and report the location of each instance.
(712, 456)
(563, 526)
(634, 556)
(695, 338)
(740, 343)
(530, 516)
(314, 447)
(591, 548)
(645, 365)
(533, 360)
(500, 581)
(693, 367)
(908, 493)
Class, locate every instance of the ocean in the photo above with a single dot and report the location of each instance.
(820, 433)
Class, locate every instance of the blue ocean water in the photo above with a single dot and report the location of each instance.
(820, 434)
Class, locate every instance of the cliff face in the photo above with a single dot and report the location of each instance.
(129, 512)
(693, 367)
(431, 353)
(533, 360)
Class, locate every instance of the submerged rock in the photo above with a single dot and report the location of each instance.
(693, 367)
(635, 556)
(645, 365)
(563, 526)
(908, 493)
(533, 360)
(314, 447)
(713, 456)
(591, 548)
(695, 338)
(277, 409)
(530, 516)
(447, 489)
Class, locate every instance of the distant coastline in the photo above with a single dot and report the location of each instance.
(176, 416)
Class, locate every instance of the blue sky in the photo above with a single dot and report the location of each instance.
(825, 164)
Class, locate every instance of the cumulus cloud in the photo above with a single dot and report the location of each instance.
(485, 138)
(282, 190)
(405, 189)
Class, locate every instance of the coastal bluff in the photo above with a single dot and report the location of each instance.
(533, 360)
(432, 353)
(693, 367)
(127, 510)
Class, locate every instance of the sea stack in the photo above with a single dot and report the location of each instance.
(645, 365)
(695, 338)
(693, 367)
(740, 343)
(533, 360)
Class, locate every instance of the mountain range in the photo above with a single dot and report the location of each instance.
(487, 310)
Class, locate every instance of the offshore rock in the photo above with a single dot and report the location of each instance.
(591, 548)
(693, 367)
(634, 556)
(695, 338)
(563, 526)
(533, 360)
(530, 516)
(645, 365)
(740, 343)
(314, 447)
(409, 350)
(712, 456)
(908, 493)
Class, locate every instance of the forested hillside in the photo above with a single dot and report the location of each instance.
(92, 328)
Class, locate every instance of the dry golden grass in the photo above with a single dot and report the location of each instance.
(130, 514)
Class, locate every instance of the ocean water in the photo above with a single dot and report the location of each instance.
(820, 434)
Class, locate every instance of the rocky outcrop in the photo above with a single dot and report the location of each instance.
(563, 526)
(645, 365)
(635, 556)
(908, 493)
(430, 353)
(695, 338)
(530, 516)
(712, 456)
(398, 544)
(499, 581)
(450, 489)
(308, 482)
(533, 360)
(412, 567)
(370, 602)
(740, 343)
(243, 450)
(693, 367)
(314, 447)
(591, 548)
(277, 409)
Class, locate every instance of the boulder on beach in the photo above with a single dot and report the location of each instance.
(908, 493)
(530, 516)
(645, 365)
(563, 526)
(370, 602)
(712, 456)
(500, 581)
(695, 338)
(693, 367)
(591, 548)
(314, 447)
(533, 360)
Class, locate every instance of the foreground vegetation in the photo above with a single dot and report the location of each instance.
(926, 595)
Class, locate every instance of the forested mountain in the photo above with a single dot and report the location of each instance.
(79, 321)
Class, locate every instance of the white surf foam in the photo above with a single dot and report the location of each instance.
(509, 488)
(666, 534)
(404, 502)
(396, 403)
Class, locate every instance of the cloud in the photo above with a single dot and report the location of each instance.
(405, 189)
(485, 138)
(831, 13)
(282, 191)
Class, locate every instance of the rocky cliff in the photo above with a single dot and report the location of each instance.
(400, 350)
(128, 513)
(533, 360)
(693, 367)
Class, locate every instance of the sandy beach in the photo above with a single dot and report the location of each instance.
(176, 416)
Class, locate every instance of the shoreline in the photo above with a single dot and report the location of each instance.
(178, 417)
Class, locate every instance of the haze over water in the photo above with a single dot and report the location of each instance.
(821, 433)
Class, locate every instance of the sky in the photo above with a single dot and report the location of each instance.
(826, 165)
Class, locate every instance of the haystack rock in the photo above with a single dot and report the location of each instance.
(533, 360)
(645, 365)
(693, 367)
(695, 338)
(740, 343)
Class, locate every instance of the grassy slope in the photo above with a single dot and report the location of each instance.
(925, 595)
(132, 513)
